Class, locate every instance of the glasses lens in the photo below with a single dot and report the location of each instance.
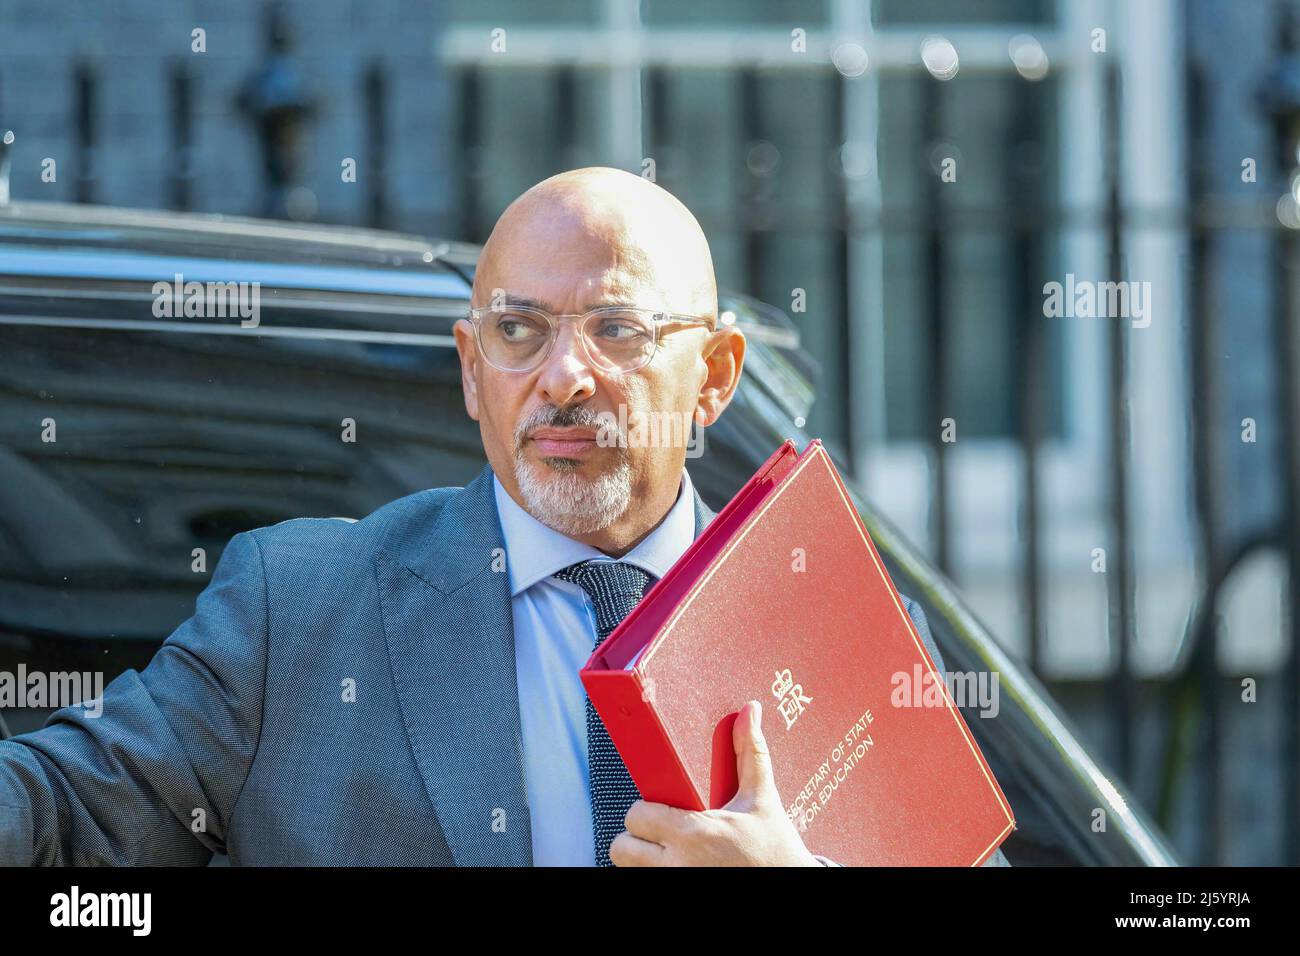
(621, 339)
(513, 338)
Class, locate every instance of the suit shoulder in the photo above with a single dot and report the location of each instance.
(300, 537)
(917, 614)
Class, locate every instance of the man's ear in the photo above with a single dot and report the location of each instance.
(467, 349)
(724, 357)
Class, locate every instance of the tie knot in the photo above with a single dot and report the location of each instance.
(607, 579)
(614, 588)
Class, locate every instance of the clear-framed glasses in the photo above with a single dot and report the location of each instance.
(616, 338)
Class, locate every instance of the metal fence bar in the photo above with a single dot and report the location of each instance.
(1289, 360)
(659, 123)
(750, 199)
(469, 132)
(1119, 576)
(1204, 400)
(1026, 268)
(938, 400)
(181, 155)
(87, 129)
(375, 94)
(838, 222)
(564, 145)
(1287, 352)
(1278, 96)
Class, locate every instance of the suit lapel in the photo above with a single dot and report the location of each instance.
(703, 514)
(445, 601)
(450, 632)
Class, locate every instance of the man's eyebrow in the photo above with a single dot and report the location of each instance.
(524, 300)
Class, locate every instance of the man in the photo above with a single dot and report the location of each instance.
(403, 689)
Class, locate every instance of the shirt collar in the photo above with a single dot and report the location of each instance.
(535, 552)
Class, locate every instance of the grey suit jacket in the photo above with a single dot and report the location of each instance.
(344, 694)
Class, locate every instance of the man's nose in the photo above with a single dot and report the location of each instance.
(566, 375)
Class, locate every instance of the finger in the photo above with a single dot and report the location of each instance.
(753, 761)
(656, 822)
(628, 850)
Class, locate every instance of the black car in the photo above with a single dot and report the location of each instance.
(136, 440)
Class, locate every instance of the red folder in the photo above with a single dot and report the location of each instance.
(783, 598)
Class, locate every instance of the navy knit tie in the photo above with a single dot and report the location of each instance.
(614, 590)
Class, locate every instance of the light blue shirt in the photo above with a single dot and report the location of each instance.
(555, 633)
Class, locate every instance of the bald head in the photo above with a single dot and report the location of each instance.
(606, 235)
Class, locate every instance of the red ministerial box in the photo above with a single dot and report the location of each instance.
(783, 598)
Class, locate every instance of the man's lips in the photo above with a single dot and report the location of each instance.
(564, 442)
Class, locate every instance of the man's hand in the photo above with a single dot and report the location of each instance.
(751, 830)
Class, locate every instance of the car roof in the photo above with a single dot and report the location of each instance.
(219, 236)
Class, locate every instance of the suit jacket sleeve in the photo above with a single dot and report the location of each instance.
(152, 779)
(923, 628)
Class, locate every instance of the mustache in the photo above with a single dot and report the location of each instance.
(570, 416)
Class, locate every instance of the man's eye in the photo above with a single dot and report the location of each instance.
(517, 329)
(621, 331)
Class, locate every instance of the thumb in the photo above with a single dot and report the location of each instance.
(753, 762)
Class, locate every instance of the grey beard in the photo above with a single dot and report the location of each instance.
(567, 502)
